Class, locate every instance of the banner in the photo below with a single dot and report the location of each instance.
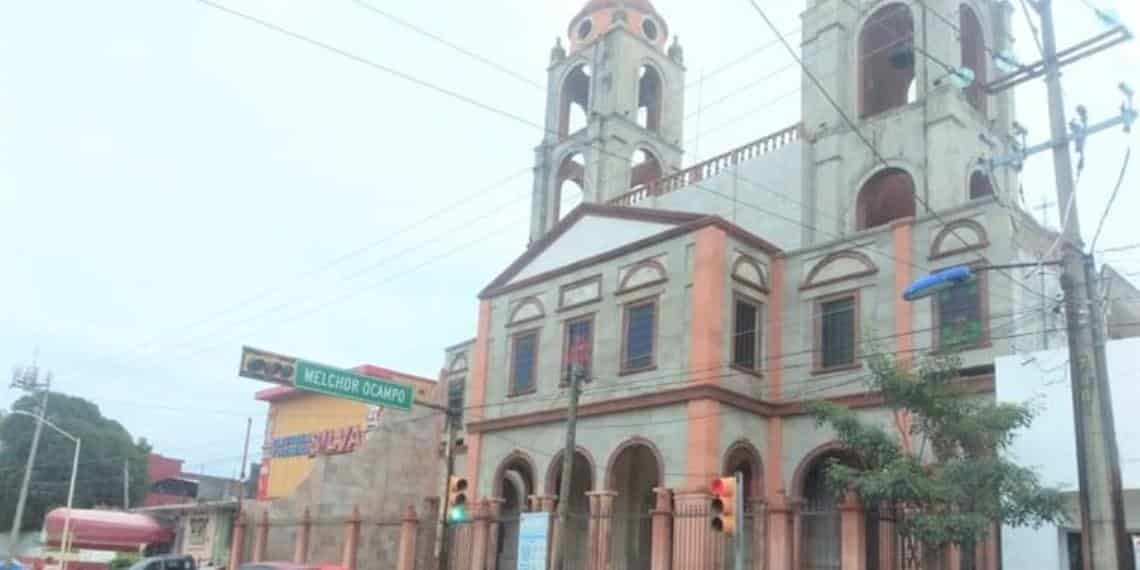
(534, 529)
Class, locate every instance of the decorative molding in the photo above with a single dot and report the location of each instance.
(458, 364)
(938, 249)
(520, 313)
(631, 442)
(580, 293)
(515, 456)
(868, 268)
(652, 269)
(981, 384)
(747, 271)
(555, 461)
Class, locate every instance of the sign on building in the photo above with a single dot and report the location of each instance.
(534, 530)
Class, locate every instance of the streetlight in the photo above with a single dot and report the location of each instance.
(63, 541)
(960, 274)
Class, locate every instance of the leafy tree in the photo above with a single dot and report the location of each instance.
(957, 483)
(99, 481)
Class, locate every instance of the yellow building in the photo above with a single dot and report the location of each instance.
(302, 425)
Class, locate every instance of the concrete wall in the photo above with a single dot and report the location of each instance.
(762, 195)
(1048, 445)
(399, 465)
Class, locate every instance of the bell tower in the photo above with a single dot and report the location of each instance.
(911, 77)
(614, 109)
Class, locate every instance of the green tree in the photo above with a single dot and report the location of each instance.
(955, 480)
(107, 446)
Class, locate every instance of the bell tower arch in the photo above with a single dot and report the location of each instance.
(910, 76)
(614, 109)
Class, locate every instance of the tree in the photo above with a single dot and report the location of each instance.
(107, 447)
(958, 483)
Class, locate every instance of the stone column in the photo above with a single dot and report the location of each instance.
(494, 516)
(797, 505)
(662, 553)
(406, 553)
(479, 536)
(237, 541)
(542, 503)
(692, 532)
(759, 538)
(301, 546)
(601, 521)
(261, 539)
(780, 536)
(852, 541)
(351, 539)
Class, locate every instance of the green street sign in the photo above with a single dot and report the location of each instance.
(352, 386)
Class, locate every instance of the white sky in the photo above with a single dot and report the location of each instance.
(176, 182)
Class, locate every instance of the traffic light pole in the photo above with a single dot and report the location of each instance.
(444, 541)
(558, 551)
(1105, 544)
(738, 544)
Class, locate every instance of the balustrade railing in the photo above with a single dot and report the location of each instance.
(710, 167)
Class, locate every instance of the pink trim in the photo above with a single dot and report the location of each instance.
(556, 463)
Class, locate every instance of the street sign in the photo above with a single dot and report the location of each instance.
(534, 530)
(352, 386)
(327, 380)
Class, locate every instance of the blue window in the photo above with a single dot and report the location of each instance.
(638, 338)
(579, 344)
(524, 360)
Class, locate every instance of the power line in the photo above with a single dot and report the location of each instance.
(1111, 199)
(435, 37)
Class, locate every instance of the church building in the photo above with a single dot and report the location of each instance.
(713, 300)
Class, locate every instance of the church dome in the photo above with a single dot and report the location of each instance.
(599, 16)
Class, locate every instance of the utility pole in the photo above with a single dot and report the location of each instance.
(126, 484)
(244, 461)
(28, 379)
(1104, 541)
(444, 542)
(577, 371)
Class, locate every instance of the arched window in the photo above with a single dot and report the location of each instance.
(514, 485)
(980, 185)
(649, 92)
(644, 168)
(633, 473)
(886, 197)
(569, 185)
(973, 55)
(574, 107)
(886, 59)
(822, 545)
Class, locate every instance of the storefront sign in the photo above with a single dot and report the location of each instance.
(327, 442)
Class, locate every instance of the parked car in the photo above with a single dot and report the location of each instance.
(165, 562)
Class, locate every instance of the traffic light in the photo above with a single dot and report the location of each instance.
(262, 365)
(723, 505)
(457, 499)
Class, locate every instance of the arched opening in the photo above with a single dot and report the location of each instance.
(569, 185)
(886, 59)
(743, 459)
(634, 473)
(886, 197)
(973, 55)
(581, 482)
(649, 93)
(644, 168)
(574, 107)
(980, 185)
(514, 484)
(822, 542)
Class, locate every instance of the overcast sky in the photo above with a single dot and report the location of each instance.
(176, 182)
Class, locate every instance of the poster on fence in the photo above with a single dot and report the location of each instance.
(534, 529)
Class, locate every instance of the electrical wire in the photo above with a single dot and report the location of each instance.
(1111, 199)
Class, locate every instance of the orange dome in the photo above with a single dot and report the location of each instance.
(598, 16)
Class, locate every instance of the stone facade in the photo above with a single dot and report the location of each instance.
(844, 209)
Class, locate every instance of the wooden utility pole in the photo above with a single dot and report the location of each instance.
(577, 372)
(1105, 541)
